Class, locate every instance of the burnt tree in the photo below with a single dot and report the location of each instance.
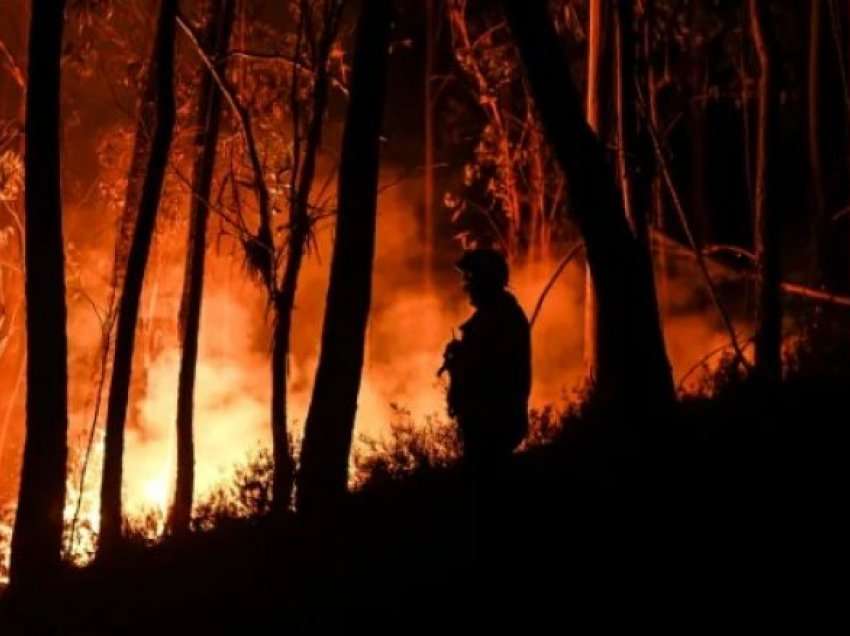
(157, 117)
(37, 539)
(219, 28)
(632, 364)
(330, 421)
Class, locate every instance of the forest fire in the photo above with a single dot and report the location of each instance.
(244, 244)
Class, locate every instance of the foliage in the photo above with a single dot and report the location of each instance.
(11, 176)
(512, 192)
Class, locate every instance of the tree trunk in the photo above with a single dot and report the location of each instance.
(220, 26)
(157, 107)
(595, 56)
(628, 143)
(819, 228)
(428, 217)
(698, 116)
(330, 421)
(37, 539)
(768, 336)
(632, 365)
(657, 193)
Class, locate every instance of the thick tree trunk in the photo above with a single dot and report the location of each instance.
(632, 363)
(768, 337)
(160, 94)
(330, 421)
(220, 25)
(37, 538)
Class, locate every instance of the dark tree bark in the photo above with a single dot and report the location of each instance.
(768, 337)
(37, 539)
(220, 26)
(632, 363)
(157, 108)
(330, 421)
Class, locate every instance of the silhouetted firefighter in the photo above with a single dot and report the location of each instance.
(490, 365)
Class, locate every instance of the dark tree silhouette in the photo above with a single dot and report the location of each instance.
(632, 362)
(219, 28)
(157, 119)
(37, 539)
(768, 337)
(330, 421)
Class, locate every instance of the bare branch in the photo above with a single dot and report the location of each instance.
(263, 240)
(12, 66)
(558, 270)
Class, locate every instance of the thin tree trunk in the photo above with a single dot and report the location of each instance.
(698, 113)
(428, 218)
(37, 538)
(158, 108)
(220, 26)
(768, 336)
(819, 228)
(330, 421)
(632, 362)
(628, 144)
(657, 194)
(594, 116)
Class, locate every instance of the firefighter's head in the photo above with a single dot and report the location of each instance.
(485, 274)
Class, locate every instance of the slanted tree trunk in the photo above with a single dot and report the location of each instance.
(330, 421)
(158, 109)
(220, 26)
(632, 365)
(768, 336)
(37, 538)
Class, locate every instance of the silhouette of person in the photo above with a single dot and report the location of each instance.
(490, 380)
(490, 365)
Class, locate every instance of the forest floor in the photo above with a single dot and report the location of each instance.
(726, 518)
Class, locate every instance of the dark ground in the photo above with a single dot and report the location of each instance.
(729, 519)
